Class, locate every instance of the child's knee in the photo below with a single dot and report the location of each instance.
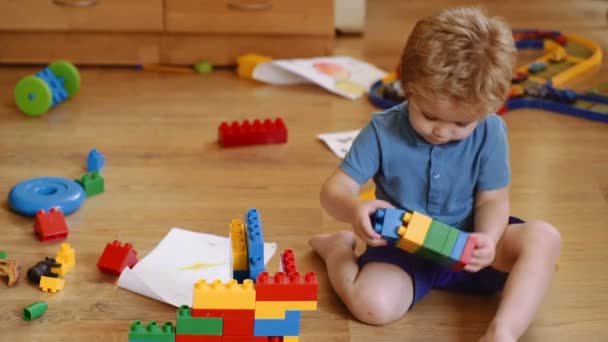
(543, 236)
(378, 307)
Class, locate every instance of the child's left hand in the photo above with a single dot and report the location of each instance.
(483, 254)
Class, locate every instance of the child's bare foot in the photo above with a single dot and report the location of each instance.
(325, 244)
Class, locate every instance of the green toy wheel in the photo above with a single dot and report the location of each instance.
(33, 96)
(70, 75)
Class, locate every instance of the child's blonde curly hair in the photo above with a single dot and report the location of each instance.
(460, 55)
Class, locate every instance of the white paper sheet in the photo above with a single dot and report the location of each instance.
(342, 75)
(339, 142)
(170, 270)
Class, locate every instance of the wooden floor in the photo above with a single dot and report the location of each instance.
(165, 169)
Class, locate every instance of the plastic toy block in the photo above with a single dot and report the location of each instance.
(459, 244)
(288, 262)
(448, 246)
(116, 257)
(387, 223)
(66, 256)
(152, 332)
(198, 338)
(203, 67)
(34, 310)
(256, 133)
(413, 232)
(10, 269)
(276, 310)
(92, 183)
(255, 243)
(239, 246)
(236, 322)
(245, 339)
(224, 296)
(465, 257)
(247, 63)
(50, 225)
(275, 338)
(95, 161)
(240, 276)
(290, 326)
(188, 325)
(50, 284)
(2, 254)
(433, 243)
(291, 338)
(281, 287)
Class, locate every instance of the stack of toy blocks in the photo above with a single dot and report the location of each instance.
(256, 133)
(420, 234)
(50, 225)
(269, 311)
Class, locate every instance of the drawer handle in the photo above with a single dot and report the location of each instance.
(78, 3)
(259, 6)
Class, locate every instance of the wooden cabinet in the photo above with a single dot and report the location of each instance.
(162, 31)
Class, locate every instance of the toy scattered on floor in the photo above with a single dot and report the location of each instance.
(256, 133)
(50, 225)
(42, 268)
(2, 254)
(268, 310)
(92, 183)
(38, 93)
(95, 161)
(10, 269)
(116, 257)
(565, 56)
(34, 310)
(44, 193)
(247, 63)
(203, 67)
(46, 274)
(420, 234)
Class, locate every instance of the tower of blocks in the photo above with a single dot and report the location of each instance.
(268, 310)
(420, 234)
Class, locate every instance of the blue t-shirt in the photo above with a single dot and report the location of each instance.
(436, 180)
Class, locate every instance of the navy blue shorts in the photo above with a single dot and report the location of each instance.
(427, 275)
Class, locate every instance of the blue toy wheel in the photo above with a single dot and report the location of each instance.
(29, 196)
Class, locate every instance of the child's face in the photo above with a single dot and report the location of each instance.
(439, 122)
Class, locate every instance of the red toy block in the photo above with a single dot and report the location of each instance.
(246, 133)
(245, 339)
(288, 262)
(465, 257)
(50, 226)
(275, 339)
(236, 322)
(198, 338)
(286, 288)
(116, 257)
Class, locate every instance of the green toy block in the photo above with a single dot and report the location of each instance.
(203, 67)
(188, 325)
(93, 183)
(434, 240)
(2, 254)
(152, 333)
(448, 245)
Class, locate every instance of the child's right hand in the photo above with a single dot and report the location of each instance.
(362, 224)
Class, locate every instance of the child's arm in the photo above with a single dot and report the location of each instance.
(339, 197)
(491, 220)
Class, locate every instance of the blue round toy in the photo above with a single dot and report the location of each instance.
(29, 196)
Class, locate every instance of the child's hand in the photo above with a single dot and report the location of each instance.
(483, 254)
(362, 224)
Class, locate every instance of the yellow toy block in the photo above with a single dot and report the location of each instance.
(50, 284)
(224, 296)
(414, 231)
(276, 309)
(291, 338)
(66, 256)
(239, 246)
(247, 63)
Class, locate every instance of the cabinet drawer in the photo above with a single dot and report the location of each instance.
(313, 17)
(63, 15)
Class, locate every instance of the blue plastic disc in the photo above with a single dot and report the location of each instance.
(29, 196)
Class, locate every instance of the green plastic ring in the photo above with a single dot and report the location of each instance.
(33, 96)
(70, 75)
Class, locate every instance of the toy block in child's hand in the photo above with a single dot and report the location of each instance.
(256, 133)
(387, 222)
(50, 226)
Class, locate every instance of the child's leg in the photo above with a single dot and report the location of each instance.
(529, 251)
(377, 294)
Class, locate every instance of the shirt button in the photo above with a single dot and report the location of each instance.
(436, 175)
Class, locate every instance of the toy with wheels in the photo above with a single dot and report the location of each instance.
(36, 94)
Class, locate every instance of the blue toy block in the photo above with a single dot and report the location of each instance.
(58, 91)
(95, 161)
(290, 326)
(240, 276)
(387, 223)
(461, 241)
(255, 243)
